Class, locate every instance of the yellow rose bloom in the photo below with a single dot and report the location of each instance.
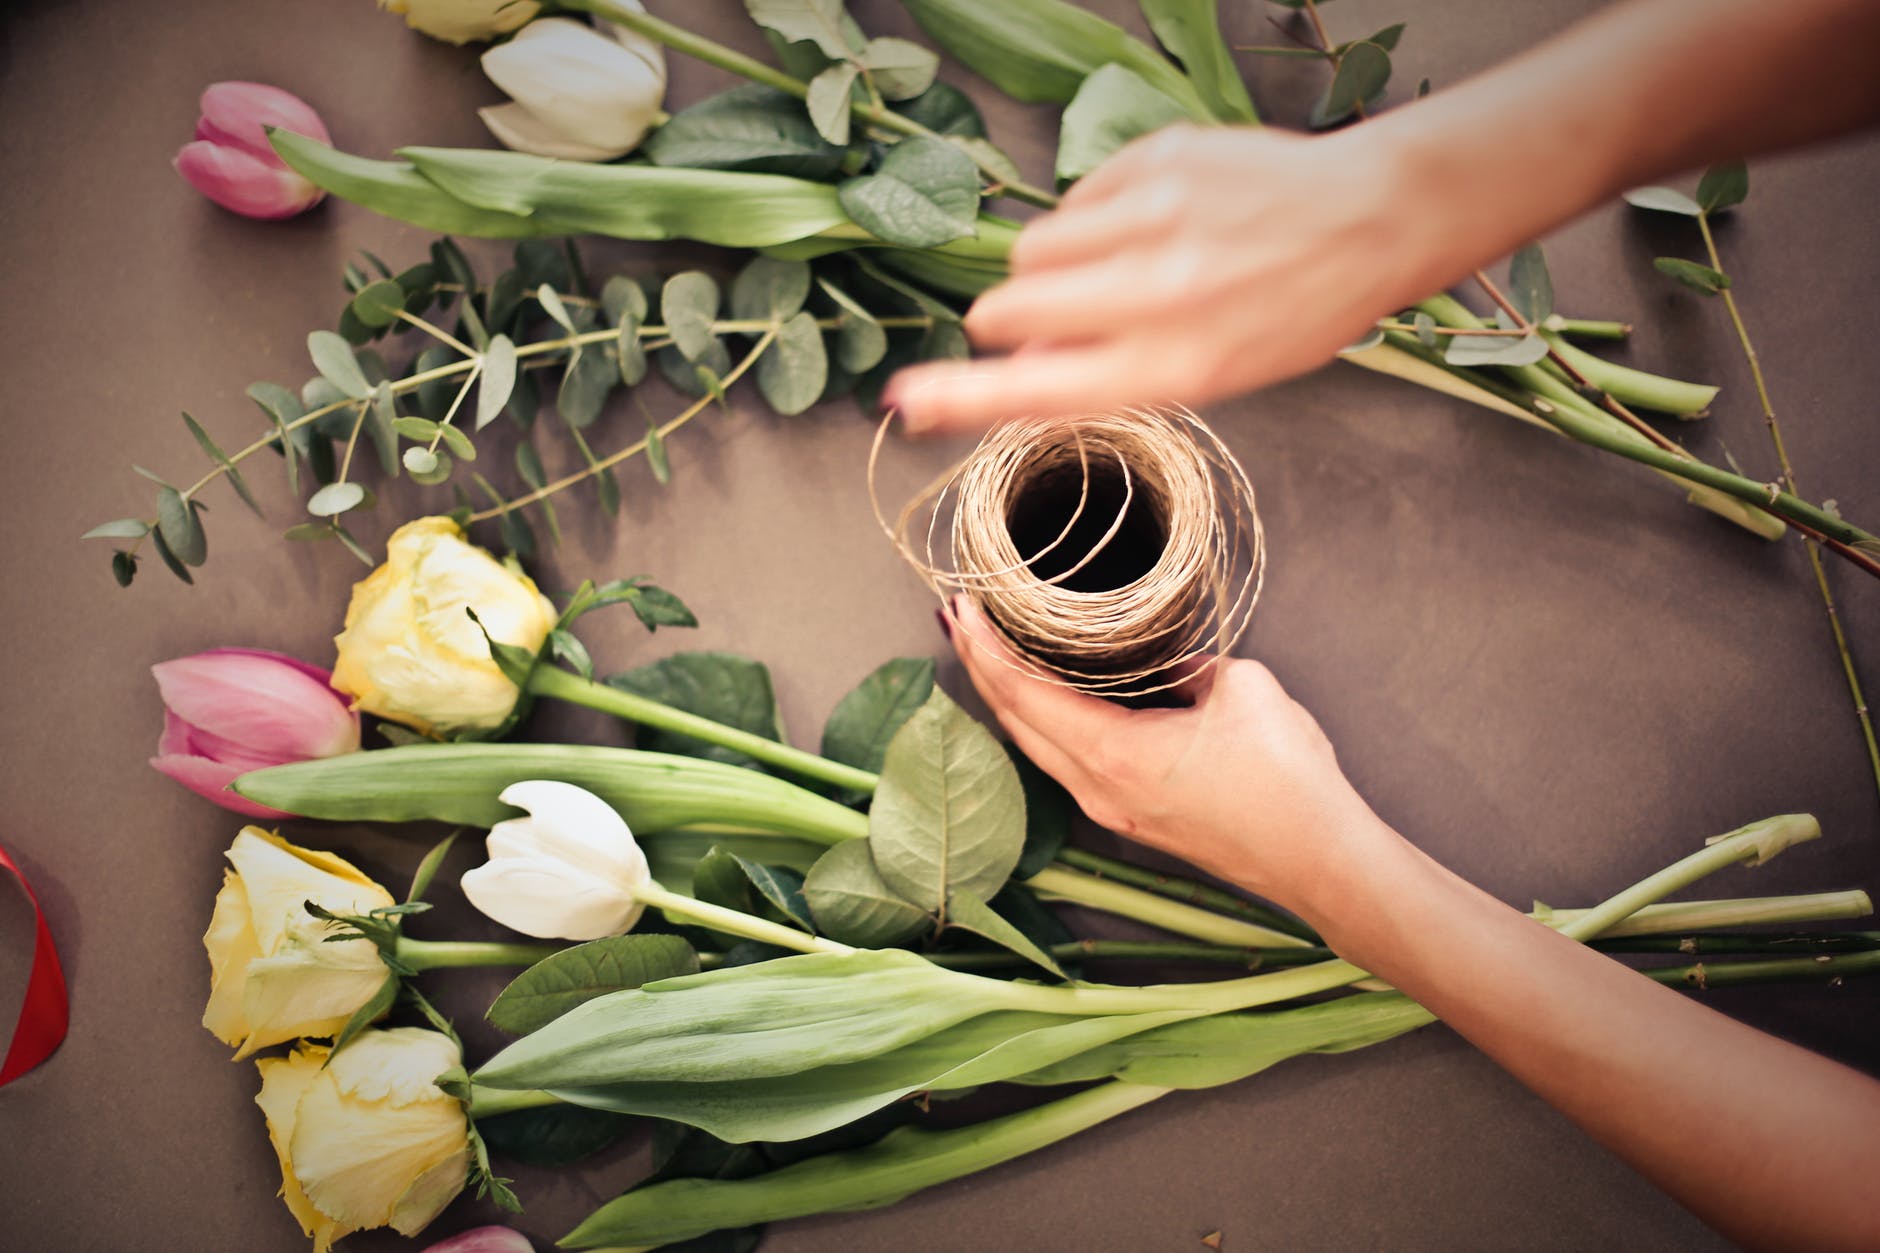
(364, 1136)
(272, 974)
(463, 21)
(410, 652)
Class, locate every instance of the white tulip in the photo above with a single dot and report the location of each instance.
(576, 93)
(569, 871)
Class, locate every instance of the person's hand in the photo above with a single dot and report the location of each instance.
(1194, 264)
(1241, 782)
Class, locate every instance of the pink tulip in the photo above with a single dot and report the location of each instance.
(483, 1240)
(231, 161)
(232, 710)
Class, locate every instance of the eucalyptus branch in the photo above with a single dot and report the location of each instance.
(1787, 479)
(870, 112)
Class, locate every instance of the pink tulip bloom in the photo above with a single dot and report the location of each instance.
(232, 710)
(231, 161)
(483, 1240)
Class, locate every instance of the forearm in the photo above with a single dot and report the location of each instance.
(1764, 1140)
(1637, 92)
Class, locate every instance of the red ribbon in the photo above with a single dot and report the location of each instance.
(45, 1012)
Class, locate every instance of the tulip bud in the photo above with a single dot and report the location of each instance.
(231, 161)
(484, 1240)
(365, 1136)
(232, 710)
(411, 653)
(274, 971)
(571, 870)
(576, 93)
(463, 21)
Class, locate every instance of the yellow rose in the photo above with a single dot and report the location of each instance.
(463, 21)
(365, 1138)
(273, 976)
(409, 651)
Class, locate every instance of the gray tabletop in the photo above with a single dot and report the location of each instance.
(1536, 661)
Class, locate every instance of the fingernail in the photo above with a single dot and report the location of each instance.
(946, 627)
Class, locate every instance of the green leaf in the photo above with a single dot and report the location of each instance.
(553, 1135)
(627, 349)
(1723, 186)
(723, 877)
(688, 304)
(458, 443)
(1049, 812)
(529, 466)
(1663, 200)
(992, 161)
(308, 532)
(768, 289)
(122, 528)
(1388, 37)
(498, 381)
(1694, 276)
(724, 687)
(967, 910)
(585, 385)
(608, 488)
(621, 296)
(374, 1009)
(541, 263)
(860, 341)
(335, 499)
(812, 21)
(752, 128)
(901, 68)
(656, 607)
(656, 459)
(1362, 73)
(428, 868)
(925, 193)
(379, 304)
(169, 558)
(420, 461)
(1191, 30)
(1530, 287)
(949, 813)
(552, 306)
(853, 905)
(380, 416)
(781, 887)
(556, 984)
(566, 647)
(438, 471)
(1113, 106)
(866, 719)
(180, 527)
(1495, 349)
(792, 371)
(1042, 50)
(333, 358)
(828, 101)
(123, 567)
(1426, 328)
(420, 430)
(945, 110)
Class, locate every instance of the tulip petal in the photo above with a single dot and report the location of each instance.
(275, 707)
(210, 780)
(574, 825)
(580, 84)
(236, 114)
(518, 129)
(649, 51)
(492, 1239)
(243, 183)
(549, 899)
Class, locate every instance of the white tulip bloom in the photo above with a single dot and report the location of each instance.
(576, 93)
(571, 870)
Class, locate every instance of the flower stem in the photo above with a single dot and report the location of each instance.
(559, 684)
(1788, 480)
(494, 1102)
(733, 922)
(1704, 915)
(1588, 328)
(1154, 907)
(1177, 888)
(456, 954)
(1634, 387)
(869, 112)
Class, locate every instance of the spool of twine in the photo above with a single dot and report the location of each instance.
(1113, 553)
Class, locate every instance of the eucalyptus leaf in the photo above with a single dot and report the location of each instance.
(828, 101)
(123, 528)
(629, 355)
(812, 21)
(540, 263)
(518, 536)
(498, 379)
(620, 296)
(656, 459)
(852, 904)
(378, 304)
(791, 373)
(1509, 350)
(529, 466)
(970, 912)
(335, 499)
(900, 68)
(235, 479)
(1663, 200)
(724, 687)
(1191, 30)
(866, 719)
(684, 374)
(585, 385)
(558, 983)
(420, 461)
(552, 306)
(1362, 72)
(949, 813)
(422, 430)
(458, 443)
(1425, 328)
(1694, 276)
(438, 472)
(1723, 186)
(925, 192)
(688, 304)
(860, 341)
(123, 567)
(170, 561)
(380, 417)
(1530, 287)
(180, 528)
(1113, 106)
(767, 289)
(751, 128)
(333, 358)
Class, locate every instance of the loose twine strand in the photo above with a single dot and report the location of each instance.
(1151, 633)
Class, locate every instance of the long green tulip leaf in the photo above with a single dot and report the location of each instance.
(397, 190)
(1191, 30)
(1114, 106)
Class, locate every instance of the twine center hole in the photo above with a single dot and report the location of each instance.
(1043, 506)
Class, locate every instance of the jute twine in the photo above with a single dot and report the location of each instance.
(1173, 592)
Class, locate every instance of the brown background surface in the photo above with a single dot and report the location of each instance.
(1536, 661)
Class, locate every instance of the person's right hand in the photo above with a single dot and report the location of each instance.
(1193, 265)
(1241, 782)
